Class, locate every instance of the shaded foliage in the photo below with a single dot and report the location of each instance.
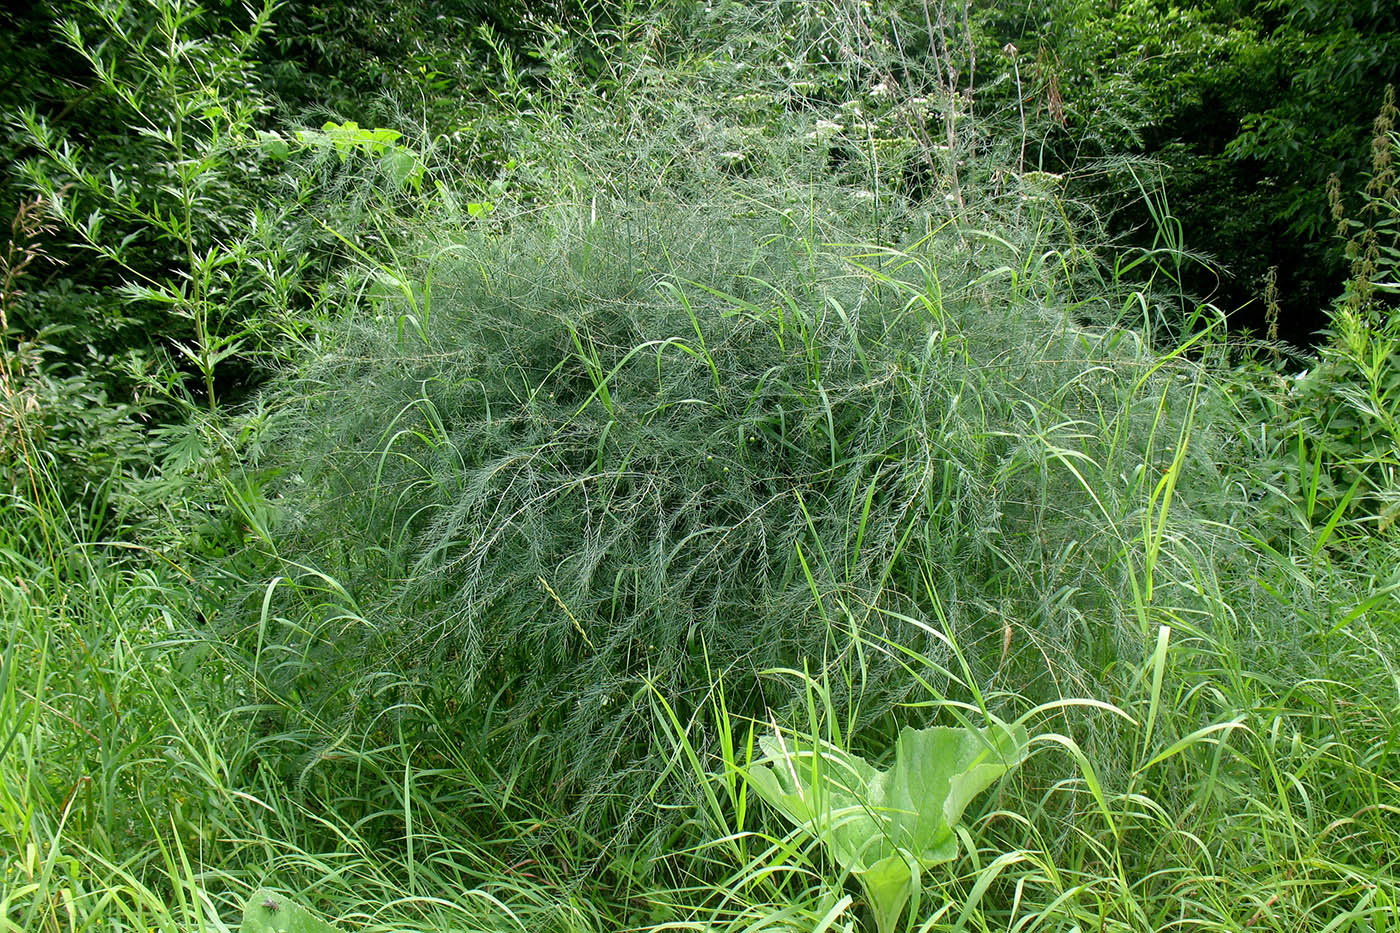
(1250, 104)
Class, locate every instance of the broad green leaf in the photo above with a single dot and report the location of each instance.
(274, 146)
(886, 827)
(888, 885)
(269, 912)
(381, 137)
(402, 166)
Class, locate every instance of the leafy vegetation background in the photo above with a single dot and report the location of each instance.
(440, 439)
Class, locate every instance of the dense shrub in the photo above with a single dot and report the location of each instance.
(620, 447)
(1250, 105)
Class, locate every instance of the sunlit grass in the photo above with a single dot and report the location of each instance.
(472, 620)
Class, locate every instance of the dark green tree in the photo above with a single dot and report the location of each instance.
(1250, 105)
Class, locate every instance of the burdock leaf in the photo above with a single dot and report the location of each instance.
(886, 827)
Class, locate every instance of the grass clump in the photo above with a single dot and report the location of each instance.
(609, 447)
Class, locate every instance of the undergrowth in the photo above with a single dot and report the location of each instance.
(592, 467)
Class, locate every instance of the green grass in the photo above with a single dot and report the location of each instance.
(471, 620)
